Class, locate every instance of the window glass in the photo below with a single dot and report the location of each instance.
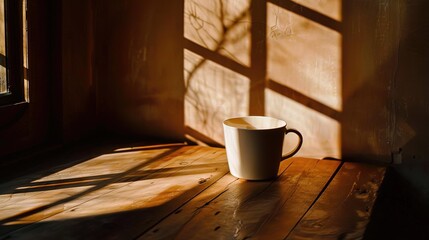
(3, 79)
(25, 50)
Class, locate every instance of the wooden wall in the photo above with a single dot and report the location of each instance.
(139, 67)
(410, 96)
(371, 36)
(77, 86)
(116, 69)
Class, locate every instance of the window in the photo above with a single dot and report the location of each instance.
(3, 78)
(12, 52)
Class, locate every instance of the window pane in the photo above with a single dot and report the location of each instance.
(25, 49)
(3, 82)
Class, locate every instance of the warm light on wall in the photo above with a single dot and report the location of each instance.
(291, 71)
(304, 75)
(329, 8)
(322, 134)
(216, 60)
(220, 26)
(305, 56)
(213, 93)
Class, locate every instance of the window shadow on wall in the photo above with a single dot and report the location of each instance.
(329, 68)
(276, 58)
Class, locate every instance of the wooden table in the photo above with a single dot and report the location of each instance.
(186, 192)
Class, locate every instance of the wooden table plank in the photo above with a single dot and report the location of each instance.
(343, 210)
(244, 207)
(140, 203)
(300, 188)
(24, 203)
(171, 226)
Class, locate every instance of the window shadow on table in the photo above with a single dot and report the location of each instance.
(47, 203)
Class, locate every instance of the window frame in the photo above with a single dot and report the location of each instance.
(14, 59)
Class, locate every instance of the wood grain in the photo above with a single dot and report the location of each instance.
(343, 210)
(186, 192)
(299, 189)
(133, 201)
(244, 207)
(202, 206)
(24, 202)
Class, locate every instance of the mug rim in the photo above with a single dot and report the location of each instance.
(283, 123)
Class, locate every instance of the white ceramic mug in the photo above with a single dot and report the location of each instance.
(254, 146)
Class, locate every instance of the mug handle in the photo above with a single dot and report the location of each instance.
(296, 149)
